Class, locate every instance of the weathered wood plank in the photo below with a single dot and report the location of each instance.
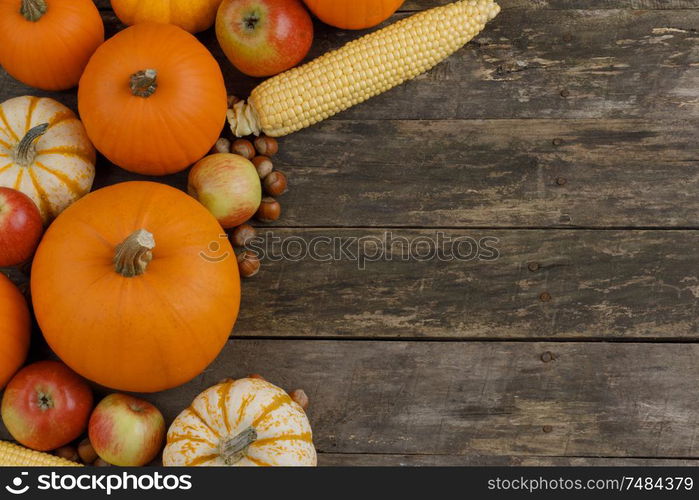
(592, 173)
(494, 173)
(478, 402)
(600, 284)
(376, 460)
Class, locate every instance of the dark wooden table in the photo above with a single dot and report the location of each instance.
(569, 131)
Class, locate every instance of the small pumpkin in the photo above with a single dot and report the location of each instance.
(191, 15)
(135, 287)
(47, 43)
(153, 99)
(353, 14)
(45, 153)
(14, 334)
(245, 422)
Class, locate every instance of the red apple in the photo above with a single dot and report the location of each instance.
(264, 37)
(126, 431)
(20, 227)
(228, 185)
(46, 405)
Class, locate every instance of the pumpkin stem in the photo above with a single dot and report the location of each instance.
(25, 150)
(143, 83)
(33, 10)
(233, 449)
(132, 256)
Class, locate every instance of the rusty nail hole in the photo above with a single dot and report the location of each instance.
(545, 297)
(561, 181)
(557, 141)
(534, 266)
(547, 429)
(565, 93)
(548, 356)
(567, 37)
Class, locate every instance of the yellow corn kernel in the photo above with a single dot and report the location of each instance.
(360, 70)
(12, 455)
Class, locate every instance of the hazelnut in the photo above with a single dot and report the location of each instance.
(248, 264)
(232, 101)
(275, 184)
(101, 463)
(223, 145)
(242, 235)
(300, 398)
(86, 452)
(244, 148)
(267, 146)
(263, 165)
(269, 210)
(68, 452)
(257, 376)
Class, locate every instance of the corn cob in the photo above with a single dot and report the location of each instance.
(12, 455)
(360, 70)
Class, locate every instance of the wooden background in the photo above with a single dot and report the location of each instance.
(568, 130)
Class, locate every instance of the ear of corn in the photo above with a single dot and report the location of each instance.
(360, 70)
(12, 455)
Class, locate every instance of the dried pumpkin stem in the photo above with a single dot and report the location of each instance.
(233, 449)
(33, 10)
(26, 150)
(143, 83)
(132, 256)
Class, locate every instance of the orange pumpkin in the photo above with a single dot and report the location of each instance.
(14, 334)
(136, 287)
(152, 99)
(191, 15)
(353, 14)
(47, 43)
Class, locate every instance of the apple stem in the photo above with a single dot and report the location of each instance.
(33, 10)
(25, 150)
(143, 83)
(233, 449)
(132, 256)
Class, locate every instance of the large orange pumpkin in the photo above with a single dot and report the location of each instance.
(353, 14)
(14, 333)
(152, 99)
(191, 15)
(136, 287)
(47, 43)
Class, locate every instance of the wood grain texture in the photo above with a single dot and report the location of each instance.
(492, 403)
(602, 284)
(418, 460)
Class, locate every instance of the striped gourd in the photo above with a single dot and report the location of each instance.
(360, 70)
(45, 153)
(12, 455)
(245, 422)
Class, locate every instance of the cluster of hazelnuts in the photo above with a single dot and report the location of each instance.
(274, 183)
(82, 453)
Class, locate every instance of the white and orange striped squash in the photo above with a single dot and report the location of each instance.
(245, 422)
(45, 153)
